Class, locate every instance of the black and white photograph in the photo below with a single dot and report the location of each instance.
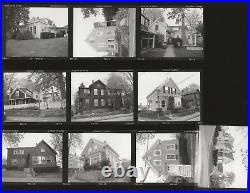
(101, 96)
(31, 157)
(90, 152)
(36, 31)
(167, 158)
(172, 32)
(223, 156)
(34, 96)
(104, 32)
(172, 96)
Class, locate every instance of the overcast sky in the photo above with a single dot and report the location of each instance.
(29, 140)
(58, 15)
(148, 81)
(120, 142)
(141, 150)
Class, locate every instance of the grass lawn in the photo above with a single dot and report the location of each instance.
(156, 52)
(55, 47)
(184, 53)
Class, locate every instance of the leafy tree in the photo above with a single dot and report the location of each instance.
(12, 139)
(171, 106)
(193, 86)
(108, 12)
(193, 19)
(179, 14)
(120, 81)
(184, 102)
(14, 16)
(141, 138)
(199, 29)
(57, 143)
(159, 40)
(74, 140)
(10, 82)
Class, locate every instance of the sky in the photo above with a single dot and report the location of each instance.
(85, 77)
(120, 142)
(58, 15)
(141, 150)
(29, 140)
(81, 30)
(241, 141)
(146, 85)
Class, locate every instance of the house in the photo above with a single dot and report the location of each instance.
(147, 36)
(75, 162)
(96, 151)
(38, 25)
(169, 158)
(40, 156)
(104, 38)
(159, 97)
(99, 96)
(158, 27)
(176, 32)
(191, 97)
(20, 96)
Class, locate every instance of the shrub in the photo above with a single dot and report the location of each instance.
(159, 40)
(47, 35)
(59, 35)
(27, 35)
(46, 169)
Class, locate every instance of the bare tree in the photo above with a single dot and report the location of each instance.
(12, 139)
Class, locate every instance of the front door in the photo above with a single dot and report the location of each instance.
(179, 170)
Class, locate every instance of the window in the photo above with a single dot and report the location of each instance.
(108, 91)
(34, 29)
(157, 152)
(95, 91)
(95, 148)
(17, 93)
(42, 149)
(171, 147)
(110, 40)
(44, 161)
(86, 91)
(87, 101)
(171, 157)
(36, 160)
(163, 104)
(102, 91)
(189, 37)
(109, 102)
(18, 152)
(157, 162)
(103, 102)
(164, 89)
(90, 151)
(31, 29)
(156, 27)
(96, 102)
(111, 46)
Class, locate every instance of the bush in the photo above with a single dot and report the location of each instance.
(47, 35)
(159, 40)
(59, 35)
(46, 169)
(27, 35)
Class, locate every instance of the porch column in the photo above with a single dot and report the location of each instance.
(90, 161)
(195, 40)
(153, 46)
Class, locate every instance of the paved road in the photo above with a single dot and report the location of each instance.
(205, 160)
(119, 117)
(35, 119)
(170, 51)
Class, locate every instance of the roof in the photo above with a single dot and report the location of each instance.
(160, 22)
(96, 82)
(28, 150)
(102, 144)
(24, 90)
(168, 82)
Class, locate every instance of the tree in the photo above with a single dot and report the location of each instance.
(9, 83)
(123, 81)
(199, 29)
(179, 14)
(193, 86)
(184, 102)
(14, 16)
(154, 14)
(74, 141)
(108, 12)
(193, 18)
(12, 139)
(171, 106)
(57, 143)
(76, 101)
(141, 138)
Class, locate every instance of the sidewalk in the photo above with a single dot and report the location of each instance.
(170, 51)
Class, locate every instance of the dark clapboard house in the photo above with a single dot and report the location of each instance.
(40, 157)
(192, 97)
(99, 96)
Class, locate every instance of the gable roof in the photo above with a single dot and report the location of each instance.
(168, 82)
(23, 90)
(102, 144)
(46, 145)
(98, 81)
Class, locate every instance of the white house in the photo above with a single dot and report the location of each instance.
(159, 27)
(37, 25)
(175, 32)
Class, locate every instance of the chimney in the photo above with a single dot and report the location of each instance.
(93, 81)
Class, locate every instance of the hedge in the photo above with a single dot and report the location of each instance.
(46, 169)
(47, 35)
(27, 35)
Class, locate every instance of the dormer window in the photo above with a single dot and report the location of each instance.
(42, 149)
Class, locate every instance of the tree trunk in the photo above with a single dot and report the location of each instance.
(183, 30)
